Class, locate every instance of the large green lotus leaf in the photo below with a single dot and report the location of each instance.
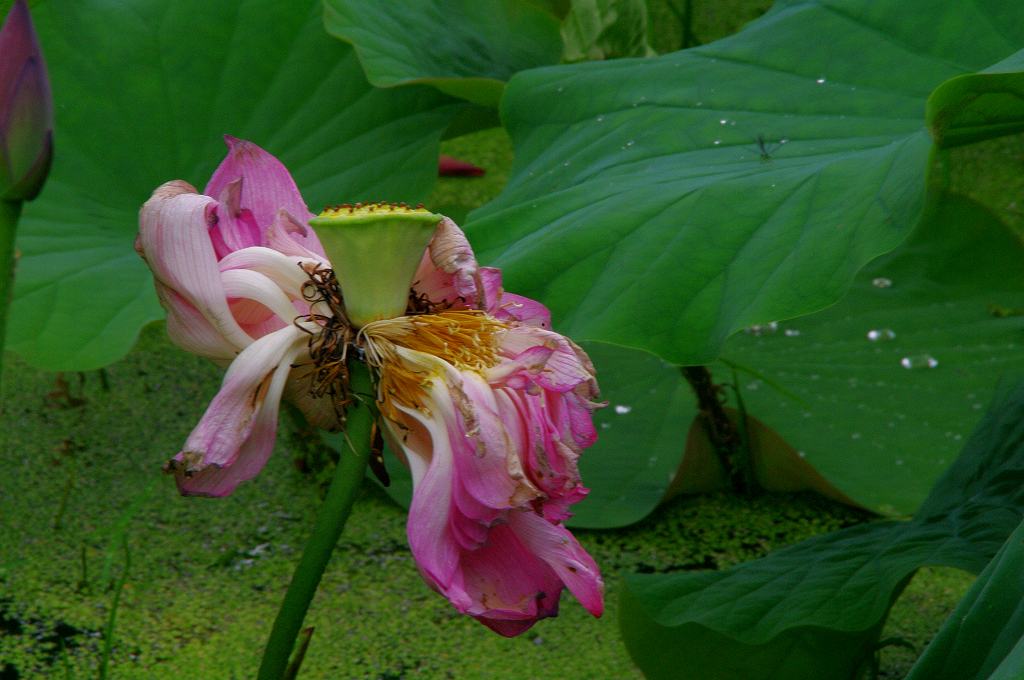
(158, 85)
(605, 29)
(879, 390)
(641, 437)
(467, 48)
(813, 610)
(978, 106)
(984, 636)
(667, 203)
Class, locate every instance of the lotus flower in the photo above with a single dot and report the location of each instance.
(489, 408)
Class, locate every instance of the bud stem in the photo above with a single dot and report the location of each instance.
(9, 213)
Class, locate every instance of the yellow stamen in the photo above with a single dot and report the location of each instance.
(466, 339)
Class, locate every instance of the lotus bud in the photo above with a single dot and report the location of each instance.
(26, 109)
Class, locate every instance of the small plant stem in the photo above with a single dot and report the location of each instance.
(744, 458)
(63, 506)
(295, 664)
(689, 39)
(9, 213)
(725, 441)
(108, 633)
(685, 18)
(330, 521)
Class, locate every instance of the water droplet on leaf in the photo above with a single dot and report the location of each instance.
(919, 361)
(876, 334)
(762, 329)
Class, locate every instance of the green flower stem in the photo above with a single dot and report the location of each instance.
(9, 212)
(329, 523)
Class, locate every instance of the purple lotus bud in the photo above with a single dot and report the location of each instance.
(26, 109)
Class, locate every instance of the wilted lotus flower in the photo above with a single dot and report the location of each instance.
(26, 109)
(489, 408)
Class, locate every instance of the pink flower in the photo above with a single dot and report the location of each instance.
(489, 407)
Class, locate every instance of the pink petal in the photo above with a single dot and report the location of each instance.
(481, 443)
(524, 310)
(449, 272)
(249, 285)
(284, 270)
(547, 457)
(579, 406)
(265, 184)
(236, 435)
(173, 240)
(288, 236)
(508, 628)
(26, 132)
(18, 44)
(470, 520)
(266, 187)
(490, 284)
(264, 288)
(233, 228)
(453, 167)
(190, 330)
(556, 546)
(509, 583)
(429, 455)
(262, 321)
(550, 360)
